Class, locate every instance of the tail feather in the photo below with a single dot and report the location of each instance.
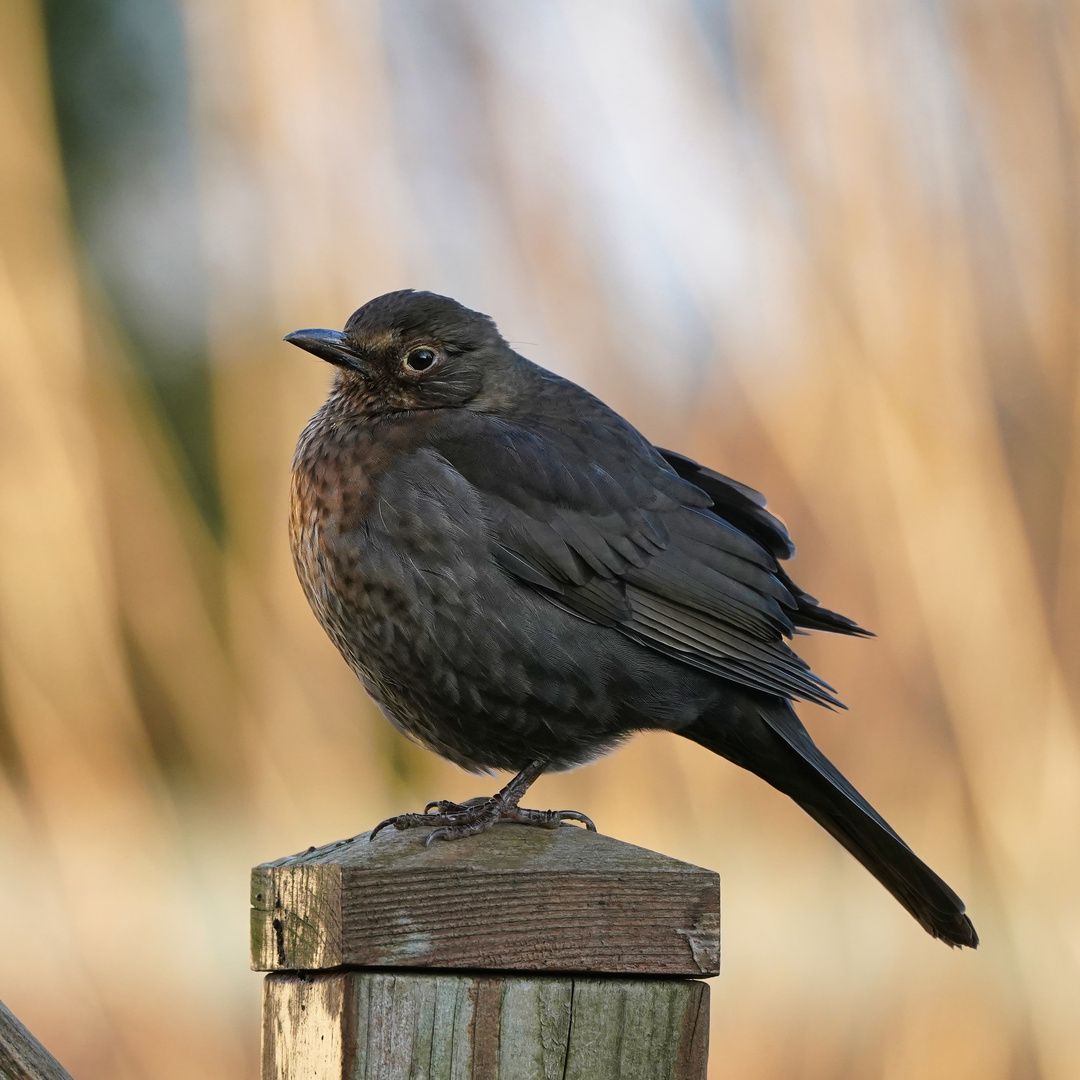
(768, 739)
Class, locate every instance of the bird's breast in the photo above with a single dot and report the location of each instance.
(382, 547)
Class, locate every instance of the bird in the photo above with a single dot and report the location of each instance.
(521, 580)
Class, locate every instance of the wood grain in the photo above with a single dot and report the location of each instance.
(429, 1026)
(304, 1028)
(22, 1057)
(511, 899)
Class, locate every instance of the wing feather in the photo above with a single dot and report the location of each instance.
(674, 556)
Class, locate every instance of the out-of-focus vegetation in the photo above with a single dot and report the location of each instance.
(831, 248)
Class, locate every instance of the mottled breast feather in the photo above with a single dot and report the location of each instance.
(339, 462)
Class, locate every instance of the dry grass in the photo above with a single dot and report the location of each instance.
(829, 247)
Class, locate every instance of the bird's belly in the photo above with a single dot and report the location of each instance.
(458, 656)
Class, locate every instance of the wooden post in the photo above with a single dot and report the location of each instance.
(518, 954)
(22, 1057)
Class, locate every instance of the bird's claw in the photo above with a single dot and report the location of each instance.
(454, 821)
(546, 819)
(401, 822)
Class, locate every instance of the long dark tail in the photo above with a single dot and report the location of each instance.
(764, 735)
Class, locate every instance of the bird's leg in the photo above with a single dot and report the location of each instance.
(456, 820)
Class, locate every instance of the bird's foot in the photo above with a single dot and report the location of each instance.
(457, 820)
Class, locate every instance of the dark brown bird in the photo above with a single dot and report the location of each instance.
(521, 580)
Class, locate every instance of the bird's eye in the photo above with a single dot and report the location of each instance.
(421, 359)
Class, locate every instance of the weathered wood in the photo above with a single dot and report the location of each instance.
(511, 905)
(511, 899)
(377, 1025)
(22, 1057)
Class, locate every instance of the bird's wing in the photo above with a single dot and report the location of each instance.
(744, 508)
(593, 516)
(736, 503)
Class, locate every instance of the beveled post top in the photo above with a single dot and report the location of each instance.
(511, 899)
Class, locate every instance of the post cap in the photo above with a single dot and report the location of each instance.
(514, 898)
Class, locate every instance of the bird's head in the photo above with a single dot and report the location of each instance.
(413, 350)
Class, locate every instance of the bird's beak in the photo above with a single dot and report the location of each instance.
(329, 345)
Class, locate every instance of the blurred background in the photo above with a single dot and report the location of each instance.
(830, 247)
